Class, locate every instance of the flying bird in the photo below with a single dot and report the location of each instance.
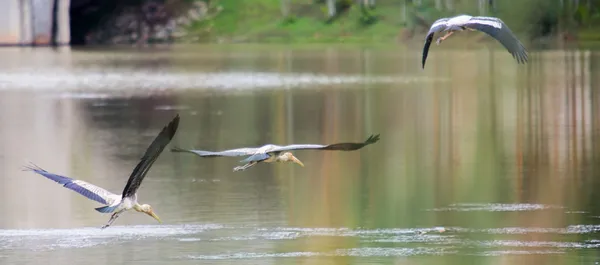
(114, 203)
(489, 25)
(273, 153)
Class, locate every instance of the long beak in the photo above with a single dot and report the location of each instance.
(154, 216)
(297, 161)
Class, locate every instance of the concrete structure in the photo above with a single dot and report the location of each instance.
(29, 22)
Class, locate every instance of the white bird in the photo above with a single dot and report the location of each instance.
(115, 203)
(272, 153)
(489, 25)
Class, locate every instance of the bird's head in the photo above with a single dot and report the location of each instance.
(288, 157)
(147, 209)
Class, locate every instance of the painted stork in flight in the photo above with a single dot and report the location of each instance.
(272, 153)
(489, 25)
(114, 203)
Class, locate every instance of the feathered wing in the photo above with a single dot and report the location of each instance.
(151, 154)
(437, 26)
(337, 147)
(88, 190)
(293, 147)
(231, 153)
(256, 157)
(497, 29)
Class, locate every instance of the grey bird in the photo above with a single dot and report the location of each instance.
(492, 26)
(119, 203)
(272, 153)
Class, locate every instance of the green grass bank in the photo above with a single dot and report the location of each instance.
(307, 21)
(262, 21)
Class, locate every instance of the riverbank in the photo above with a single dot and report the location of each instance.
(300, 23)
(262, 21)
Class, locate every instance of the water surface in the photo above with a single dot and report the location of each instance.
(480, 160)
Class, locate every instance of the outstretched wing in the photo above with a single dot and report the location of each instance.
(437, 26)
(152, 153)
(88, 190)
(256, 157)
(232, 152)
(338, 147)
(496, 28)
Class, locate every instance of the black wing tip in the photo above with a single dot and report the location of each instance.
(176, 149)
(172, 126)
(372, 139)
(428, 41)
(32, 167)
(525, 57)
(522, 58)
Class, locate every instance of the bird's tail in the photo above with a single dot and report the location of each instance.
(107, 209)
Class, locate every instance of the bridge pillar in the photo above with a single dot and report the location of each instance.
(63, 33)
(29, 22)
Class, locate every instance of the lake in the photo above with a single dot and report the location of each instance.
(480, 161)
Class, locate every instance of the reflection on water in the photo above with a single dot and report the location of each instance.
(495, 207)
(480, 160)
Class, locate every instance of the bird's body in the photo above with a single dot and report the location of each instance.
(492, 26)
(122, 204)
(275, 153)
(115, 203)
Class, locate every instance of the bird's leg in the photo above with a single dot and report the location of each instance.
(244, 167)
(113, 217)
(440, 39)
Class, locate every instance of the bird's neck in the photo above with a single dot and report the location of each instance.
(281, 158)
(138, 207)
(273, 158)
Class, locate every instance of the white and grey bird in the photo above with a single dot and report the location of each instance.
(272, 153)
(492, 26)
(115, 203)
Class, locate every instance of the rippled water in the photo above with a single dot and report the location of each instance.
(480, 160)
(251, 242)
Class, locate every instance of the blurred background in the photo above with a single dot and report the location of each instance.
(481, 160)
(97, 22)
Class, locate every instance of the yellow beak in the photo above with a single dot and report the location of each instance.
(297, 161)
(151, 213)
